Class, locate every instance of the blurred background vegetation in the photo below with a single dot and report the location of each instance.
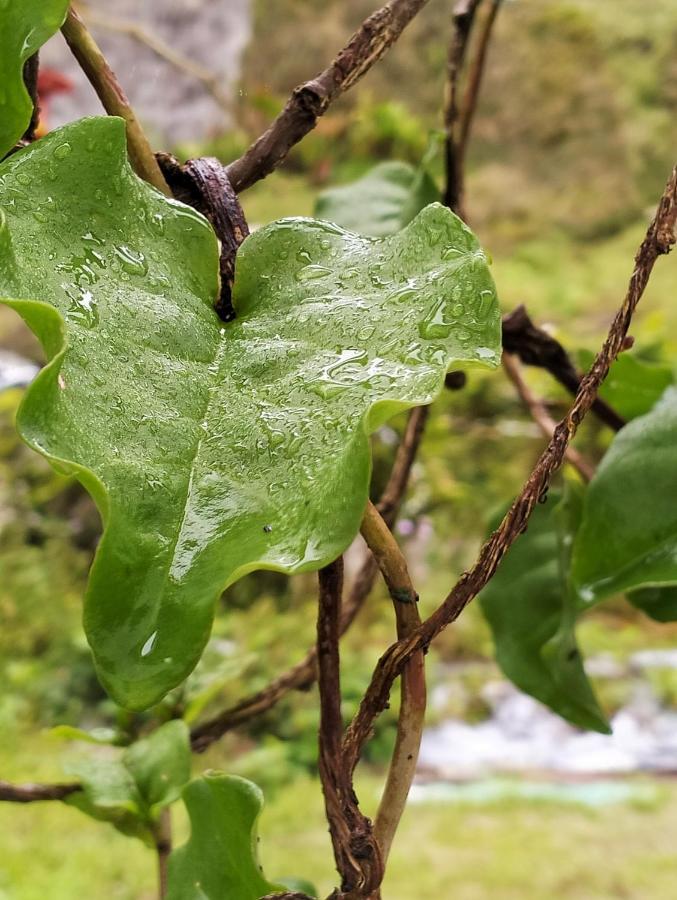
(575, 134)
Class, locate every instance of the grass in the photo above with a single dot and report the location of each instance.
(512, 850)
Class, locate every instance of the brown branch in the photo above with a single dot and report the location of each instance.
(138, 33)
(311, 100)
(463, 18)
(302, 675)
(32, 793)
(535, 347)
(113, 98)
(413, 698)
(659, 239)
(356, 852)
(30, 76)
(162, 835)
(542, 417)
(203, 184)
(475, 76)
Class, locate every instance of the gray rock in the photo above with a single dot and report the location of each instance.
(173, 105)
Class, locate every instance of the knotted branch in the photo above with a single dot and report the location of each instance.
(311, 99)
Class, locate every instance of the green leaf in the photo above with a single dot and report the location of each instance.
(130, 791)
(212, 449)
(386, 199)
(658, 602)
(25, 25)
(531, 611)
(220, 859)
(632, 386)
(628, 535)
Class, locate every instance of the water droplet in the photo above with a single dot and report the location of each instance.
(132, 262)
(150, 643)
(63, 150)
(311, 273)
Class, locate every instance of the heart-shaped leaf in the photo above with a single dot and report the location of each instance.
(531, 610)
(386, 199)
(628, 534)
(215, 449)
(25, 25)
(130, 791)
(220, 859)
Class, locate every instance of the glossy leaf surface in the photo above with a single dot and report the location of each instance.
(130, 791)
(212, 449)
(220, 859)
(25, 25)
(628, 534)
(531, 612)
(382, 202)
(632, 386)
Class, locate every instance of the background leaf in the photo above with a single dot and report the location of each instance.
(25, 25)
(628, 534)
(633, 386)
(386, 199)
(130, 791)
(531, 612)
(220, 859)
(216, 449)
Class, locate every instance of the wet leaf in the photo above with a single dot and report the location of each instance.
(215, 449)
(130, 791)
(531, 611)
(25, 25)
(628, 534)
(220, 859)
(386, 199)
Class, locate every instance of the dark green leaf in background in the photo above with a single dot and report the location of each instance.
(25, 25)
(531, 612)
(220, 860)
(212, 449)
(386, 199)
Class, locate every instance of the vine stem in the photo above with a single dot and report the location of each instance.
(659, 239)
(163, 845)
(113, 98)
(541, 416)
(311, 99)
(411, 719)
(356, 851)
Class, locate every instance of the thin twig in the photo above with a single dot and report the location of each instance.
(162, 835)
(355, 849)
(659, 240)
(302, 675)
(475, 76)
(137, 32)
(30, 76)
(463, 18)
(542, 417)
(103, 80)
(535, 347)
(411, 719)
(32, 793)
(311, 100)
